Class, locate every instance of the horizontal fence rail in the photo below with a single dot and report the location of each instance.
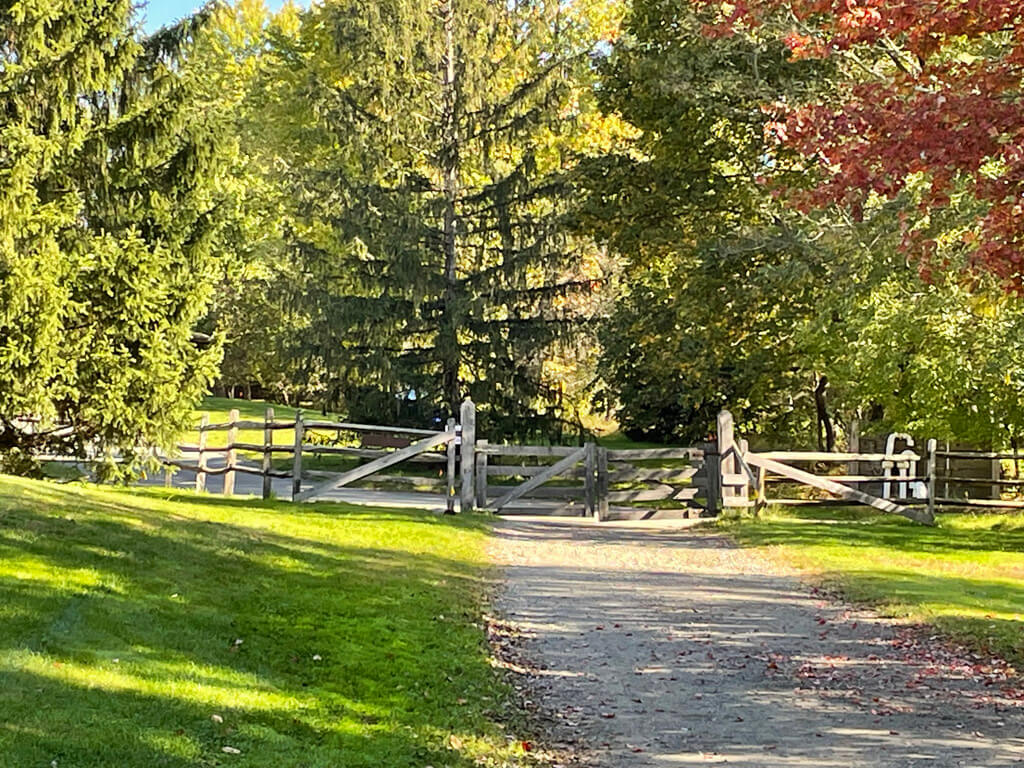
(431, 450)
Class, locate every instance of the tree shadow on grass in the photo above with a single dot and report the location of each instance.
(126, 628)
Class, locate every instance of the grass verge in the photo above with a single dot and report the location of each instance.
(156, 628)
(965, 577)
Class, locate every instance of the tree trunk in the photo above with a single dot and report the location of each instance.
(448, 336)
(824, 420)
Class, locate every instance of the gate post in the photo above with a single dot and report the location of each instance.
(601, 513)
(468, 419)
(726, 456)
(590, 479)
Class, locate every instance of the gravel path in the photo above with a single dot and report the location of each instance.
(656, 647)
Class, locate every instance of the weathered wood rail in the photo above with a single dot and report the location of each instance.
(318, 438)
(590, 479)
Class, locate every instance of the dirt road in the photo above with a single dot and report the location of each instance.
(656, 647)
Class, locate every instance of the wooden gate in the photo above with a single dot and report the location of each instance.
(546, 479)
(594, 481)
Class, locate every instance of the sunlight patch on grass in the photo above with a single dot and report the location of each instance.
(966, 576)
(319, 635)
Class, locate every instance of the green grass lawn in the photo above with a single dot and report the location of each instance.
(966, 576)
(156, 628)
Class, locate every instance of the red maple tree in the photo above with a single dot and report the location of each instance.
(943, 98)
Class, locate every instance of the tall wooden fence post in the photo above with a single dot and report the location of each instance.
(727, 460)
(933, 446)
(449, 501)
(268, 452)
(300, 435)
(743, 491)
(713, 477)
(481, 474)
(232, 454)
(468, 448)
(601, 512)
(853, 446)
(590, 479)
(204, 422)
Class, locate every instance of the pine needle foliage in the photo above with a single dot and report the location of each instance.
(430, 148)
(109, 164)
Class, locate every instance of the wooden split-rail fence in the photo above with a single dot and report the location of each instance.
(590, 479)
(373, 449)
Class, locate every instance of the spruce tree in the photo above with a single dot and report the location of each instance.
(433, 148)
(109, 164)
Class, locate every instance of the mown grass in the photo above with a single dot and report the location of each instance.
(157, 628)
(965, 576)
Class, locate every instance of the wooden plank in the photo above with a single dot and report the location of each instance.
(976, 455)
(990, 503)
(520, 470)
(602, 485)
(300, 436)
(931, 449)
(268, 455)
(416, 480)
(481, 472)
(232, 455)
(660, 493)
(778, 468)
(639, 454)
(538, 480)
(544, 492)
(450, 490)
(681, 475)
(467, 449)
(339, 426)
(855, 479)
(264, 448)
(727, 453)
(372, 467)
(712, 479)
(900, 458)
(259, 471)
(201, 459)
(982, 481)
(368, 453)
(530, 450)
(735, 480)
(590, 478)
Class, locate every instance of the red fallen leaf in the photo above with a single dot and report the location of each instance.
(821, 620)
(894, 733)
(527, 746)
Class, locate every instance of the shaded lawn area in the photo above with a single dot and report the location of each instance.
(145, 627)
(965, 577)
